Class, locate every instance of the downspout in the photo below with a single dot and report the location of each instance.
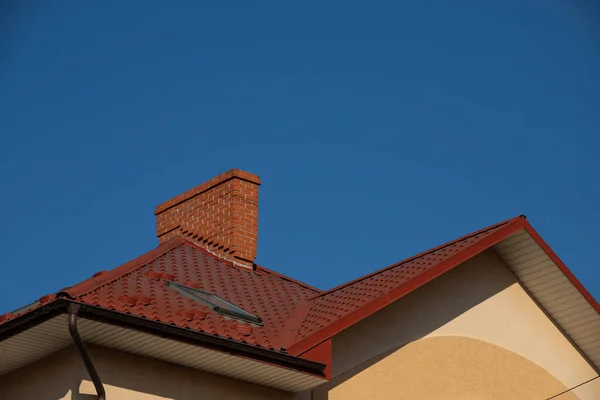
(72, 311)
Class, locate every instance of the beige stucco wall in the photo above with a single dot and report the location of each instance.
(471, 333)
(50, 378)
(449, 368)
(125, 377)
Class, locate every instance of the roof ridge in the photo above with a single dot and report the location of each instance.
(103, 277)
(287, 278)
(343, 285)
(265, 269)
(293, 323)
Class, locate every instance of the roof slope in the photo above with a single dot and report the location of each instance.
(330, 312)
(338, 302)
(139, 288)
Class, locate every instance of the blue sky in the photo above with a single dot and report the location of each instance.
(379, 129)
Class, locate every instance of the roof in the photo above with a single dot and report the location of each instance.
(337, 303)
(139, 288)
(330, 312)
(297, 317)
(257, 291)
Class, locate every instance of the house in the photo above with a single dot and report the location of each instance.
(492, 315)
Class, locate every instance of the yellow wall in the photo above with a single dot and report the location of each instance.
(474, 321)
(125, 377)
(450, 368)
(52, 378)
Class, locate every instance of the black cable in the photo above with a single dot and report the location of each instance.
(573, 388)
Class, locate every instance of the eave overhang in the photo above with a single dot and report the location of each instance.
(42, 332)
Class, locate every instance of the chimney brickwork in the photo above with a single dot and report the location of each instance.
(220, 215)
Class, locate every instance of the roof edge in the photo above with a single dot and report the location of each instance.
(99, 314)
(230, 346)
(343, 285)
(30, 319)
(562, 266)
(510, 226)
(104, 277)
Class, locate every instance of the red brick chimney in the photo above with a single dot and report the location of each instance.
(220, 215)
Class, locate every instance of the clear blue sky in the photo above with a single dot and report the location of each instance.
(379, 129)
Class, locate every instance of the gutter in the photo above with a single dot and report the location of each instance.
(61, 306)
(32, 318)
(198, 338)
(72, 311)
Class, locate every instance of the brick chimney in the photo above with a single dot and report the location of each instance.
(220, 215)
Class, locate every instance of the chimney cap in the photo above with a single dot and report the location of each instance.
(232, 173)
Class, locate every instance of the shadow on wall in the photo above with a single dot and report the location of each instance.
(52, 378)
(79, 396)
(125, 377)
(447, 368)
(143, 375)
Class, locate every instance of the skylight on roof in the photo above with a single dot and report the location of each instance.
(216, 303)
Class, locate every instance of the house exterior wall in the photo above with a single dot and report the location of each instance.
(51, 378)
(472, 333)
(125, 377)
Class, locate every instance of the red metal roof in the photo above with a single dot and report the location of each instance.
(330, 312)
(338, 302)
(139, 288)
(295, 316)
(267, 295)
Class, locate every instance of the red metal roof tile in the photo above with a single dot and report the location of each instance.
(138, 287)
(337, 303)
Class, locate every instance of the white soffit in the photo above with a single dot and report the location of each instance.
(554, 292)
(34, 344)
(53, 335)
